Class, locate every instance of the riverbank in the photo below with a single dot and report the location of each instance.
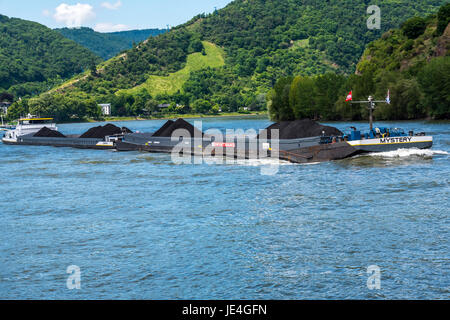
(184, 116)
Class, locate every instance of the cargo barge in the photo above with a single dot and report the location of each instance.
(301, 141)
(296, 141)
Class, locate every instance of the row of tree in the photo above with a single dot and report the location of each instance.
(77, 105)
(61, 107)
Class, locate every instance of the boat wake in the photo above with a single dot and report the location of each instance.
(250, 162)
(262, 162)
(404, 153)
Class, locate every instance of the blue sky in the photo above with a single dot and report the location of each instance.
(109, 15)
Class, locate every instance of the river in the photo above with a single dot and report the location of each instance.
(140, 227)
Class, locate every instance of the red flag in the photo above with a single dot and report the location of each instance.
(350, 96)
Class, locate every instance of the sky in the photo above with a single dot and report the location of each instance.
(109, 15)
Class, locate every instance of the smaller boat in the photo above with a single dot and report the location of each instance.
(382, 139)
(27, 126)
(35, 131)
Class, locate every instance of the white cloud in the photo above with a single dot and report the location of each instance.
(74, 15)
(112, 6)
(110, 27)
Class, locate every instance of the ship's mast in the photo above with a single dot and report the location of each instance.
(371, 106)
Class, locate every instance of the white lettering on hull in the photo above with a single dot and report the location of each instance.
(396, 140)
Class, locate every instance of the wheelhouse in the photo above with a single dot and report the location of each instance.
(35, 121)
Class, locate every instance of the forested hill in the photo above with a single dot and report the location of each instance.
(33, 57)
(412, 63)
(260, 41)
(289, 29)
(108, 45)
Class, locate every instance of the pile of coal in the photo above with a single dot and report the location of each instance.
(170, 127)
(163, 128)
(299, 129)
(126, 130)
(48, 133)
(101, 132)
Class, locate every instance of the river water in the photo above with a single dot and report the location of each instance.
(140, 227)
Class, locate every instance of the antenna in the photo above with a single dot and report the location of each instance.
(371, 106)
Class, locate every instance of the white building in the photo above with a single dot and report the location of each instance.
(106, 109)
(4, 107)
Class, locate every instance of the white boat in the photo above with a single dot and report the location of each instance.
(28, 126)
(385, 139)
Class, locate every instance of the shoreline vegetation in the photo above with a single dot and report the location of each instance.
(259, 114)
(174, 116)
(256, 114)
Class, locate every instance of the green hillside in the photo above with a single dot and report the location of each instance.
(34, 57)
(262, 40)
(412, 62)
(107, 45)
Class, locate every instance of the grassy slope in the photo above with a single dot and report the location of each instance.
(171, 84)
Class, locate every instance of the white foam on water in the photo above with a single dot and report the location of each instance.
(271, 162)
(261, 162)
(403, 153)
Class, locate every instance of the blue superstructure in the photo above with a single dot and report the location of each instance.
(379, 132)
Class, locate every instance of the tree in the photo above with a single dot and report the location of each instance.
(6, 97)
(328, 88)
(279, 107)
(201, 106)
(414, 27)
(443, 18)
(196, 46)
(151, 106)
(215, 109)
(302, 99)
(18, 109)
(406, 96)
(121, 105)
(435, 82)
(140, 100)
(93, 69)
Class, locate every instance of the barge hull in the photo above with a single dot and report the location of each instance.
(77, 143)
(392, 144)
(319, 153)
(305, 150)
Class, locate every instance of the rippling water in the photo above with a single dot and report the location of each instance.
(140, 227)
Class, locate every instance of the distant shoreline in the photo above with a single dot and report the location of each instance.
(176, 116)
